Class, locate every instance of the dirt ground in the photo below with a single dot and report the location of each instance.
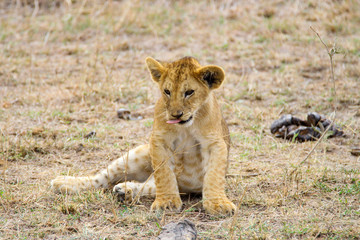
(67, 66)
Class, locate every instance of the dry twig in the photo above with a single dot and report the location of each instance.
(331, 52)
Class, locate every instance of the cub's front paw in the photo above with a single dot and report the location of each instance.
(172, 202)
(219, 206)
(123, 193)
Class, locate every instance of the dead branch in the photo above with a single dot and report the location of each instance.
(331, 52)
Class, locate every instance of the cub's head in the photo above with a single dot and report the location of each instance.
(185, 86)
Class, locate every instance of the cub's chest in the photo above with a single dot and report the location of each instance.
(184, 143)
(187, 154)
(188, 162)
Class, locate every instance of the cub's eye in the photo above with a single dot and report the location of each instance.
(188, 93)
(167, 92)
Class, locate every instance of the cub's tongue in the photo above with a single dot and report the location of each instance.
(173, 121)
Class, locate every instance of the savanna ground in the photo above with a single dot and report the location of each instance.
(66, 68)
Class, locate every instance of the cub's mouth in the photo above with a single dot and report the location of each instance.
(179, 121)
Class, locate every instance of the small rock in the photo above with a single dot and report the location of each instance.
(355, 151)
(90, 134)
(183, 230)
(123, 113)
(126, 114)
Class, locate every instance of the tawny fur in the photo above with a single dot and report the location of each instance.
(190, 156)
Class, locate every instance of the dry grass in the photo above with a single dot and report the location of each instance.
(66, 68)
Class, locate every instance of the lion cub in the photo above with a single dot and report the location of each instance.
(188, 149)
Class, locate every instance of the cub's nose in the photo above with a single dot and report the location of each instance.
(177, 114)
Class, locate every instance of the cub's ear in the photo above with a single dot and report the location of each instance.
(212, 75)
(155, 68)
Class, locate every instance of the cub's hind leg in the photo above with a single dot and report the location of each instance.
(133, 166)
